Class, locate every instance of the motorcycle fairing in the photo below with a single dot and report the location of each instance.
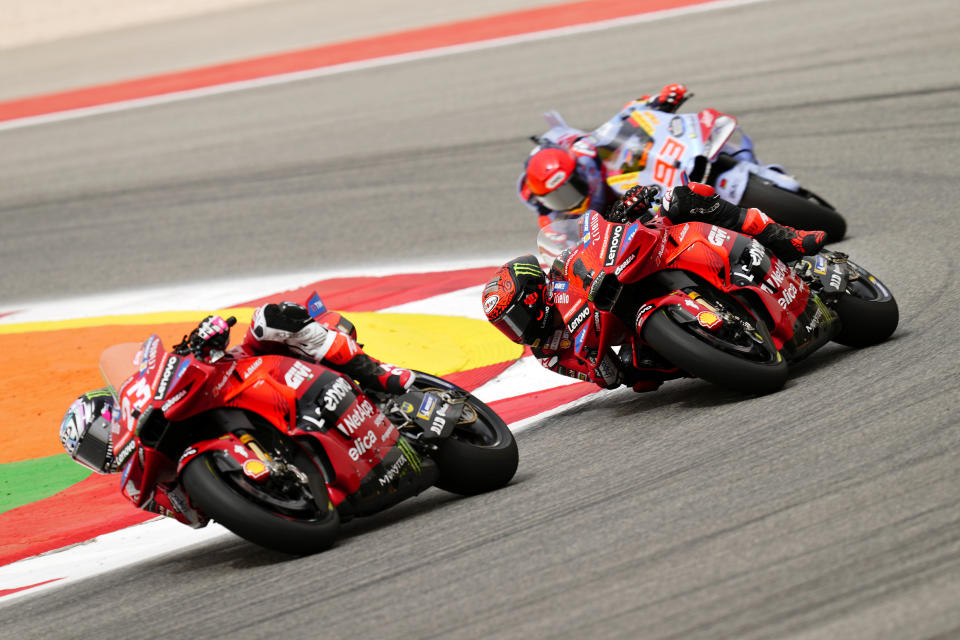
(284, 392)
(640, 145)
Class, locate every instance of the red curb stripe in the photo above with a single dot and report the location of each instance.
(6, 592)
(530, 404)
(473, 378)
(90, 508)
(414, 40)
(378, 292)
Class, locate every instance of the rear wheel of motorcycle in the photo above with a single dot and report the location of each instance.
(801, 210)
(868, 315)
(282, 522)
(480, 455)
(705, 357)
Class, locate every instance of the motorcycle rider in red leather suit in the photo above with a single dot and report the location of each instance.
(280, 329)
(518, 302)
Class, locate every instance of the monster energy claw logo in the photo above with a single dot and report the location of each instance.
(409, 454)
(523, 269)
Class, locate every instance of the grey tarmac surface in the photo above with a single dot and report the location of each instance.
(827, 510)
(261, 28)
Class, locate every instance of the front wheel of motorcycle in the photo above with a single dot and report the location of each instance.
(868, 312)
(481, 454)
(276, 514)
(802, 210)
(742, 360)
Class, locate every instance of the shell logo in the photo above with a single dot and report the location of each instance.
(255, 469)
(708, 319)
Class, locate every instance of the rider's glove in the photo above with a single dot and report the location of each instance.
(672, 96)
(636, 202)
(209, 340)
(697, 202)
(686, 202)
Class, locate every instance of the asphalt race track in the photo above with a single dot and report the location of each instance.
(828, 510)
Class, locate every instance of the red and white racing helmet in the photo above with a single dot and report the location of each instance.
(556, 180)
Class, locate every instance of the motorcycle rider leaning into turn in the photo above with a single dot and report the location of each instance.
(517, 300)
(564, 173)
(280, 329)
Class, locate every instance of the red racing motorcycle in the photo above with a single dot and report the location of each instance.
(281, 451)
(714, 303)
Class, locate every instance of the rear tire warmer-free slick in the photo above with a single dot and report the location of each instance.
(469, 468)
(698, 358)
(792, 209)
(215, 497)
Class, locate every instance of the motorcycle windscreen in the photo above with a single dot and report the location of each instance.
(117, 363)
(561, 233)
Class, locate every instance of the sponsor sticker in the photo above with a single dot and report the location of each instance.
(718, 236)
(296, 375)
(578, 341)
(676, 126)
(177, 397)
(821, 266)
(555, 180)
(352, 421)
(578, 317)
(362, 445)
(126, 452)
(315, 306)
(616, 236)
(708, 319)
(165, 377)
(489, 303)
(644, 310)
(393, 471)
(426, 407)
(255, 469)
(335, 393)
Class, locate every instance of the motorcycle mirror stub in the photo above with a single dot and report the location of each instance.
(717, 134)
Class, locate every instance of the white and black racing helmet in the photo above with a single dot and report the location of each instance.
(85, 430)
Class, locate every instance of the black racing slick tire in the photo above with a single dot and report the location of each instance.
(481, 454)
(289, 524)
(868, 313)
(696, 356)
(802, 210)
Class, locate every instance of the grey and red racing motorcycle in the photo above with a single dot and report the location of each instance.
(640, 145)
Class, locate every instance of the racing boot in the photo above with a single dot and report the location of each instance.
(347, 356)
(787, 243)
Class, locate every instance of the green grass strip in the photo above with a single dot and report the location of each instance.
(27, 481)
